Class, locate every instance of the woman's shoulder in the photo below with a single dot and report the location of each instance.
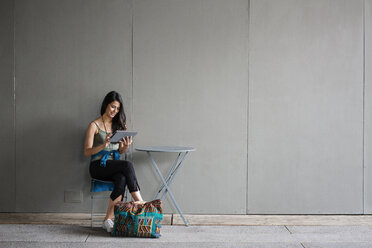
(95, 124)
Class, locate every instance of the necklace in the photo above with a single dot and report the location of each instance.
(104, 124)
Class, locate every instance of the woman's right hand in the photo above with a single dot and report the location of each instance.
(107, 140)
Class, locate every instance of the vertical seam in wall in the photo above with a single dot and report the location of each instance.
(248, 46)
(364, 70)
(132, 61)
(132, 45)
(14, 113)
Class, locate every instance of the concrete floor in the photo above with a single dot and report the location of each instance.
(33, 235)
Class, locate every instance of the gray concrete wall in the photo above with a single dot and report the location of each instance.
(271, 93)
(7, 145)
(190, 89)
(69, 54)
(368, 108)
(305, 140)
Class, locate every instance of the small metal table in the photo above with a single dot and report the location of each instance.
(172, 172)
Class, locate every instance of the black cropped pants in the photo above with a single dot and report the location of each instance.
(121, 172)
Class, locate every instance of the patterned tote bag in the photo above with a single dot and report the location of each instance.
(138, 219)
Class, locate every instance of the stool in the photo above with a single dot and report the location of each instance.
(101, 186)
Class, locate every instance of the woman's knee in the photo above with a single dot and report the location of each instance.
(129, 165)
(127, 168)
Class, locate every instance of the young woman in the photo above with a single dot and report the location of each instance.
(105, 157)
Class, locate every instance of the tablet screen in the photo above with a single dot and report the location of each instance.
(119, 135)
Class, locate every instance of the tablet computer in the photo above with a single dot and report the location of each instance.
(119, 135)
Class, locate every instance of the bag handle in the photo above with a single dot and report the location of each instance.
(131, 212)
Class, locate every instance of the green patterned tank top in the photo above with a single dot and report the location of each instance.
(99, 139)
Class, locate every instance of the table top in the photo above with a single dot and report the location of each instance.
(165, 149)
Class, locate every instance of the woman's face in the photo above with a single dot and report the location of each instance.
(112, 109)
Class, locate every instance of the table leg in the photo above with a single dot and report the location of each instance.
(168, 176)
(174, 174)
(167, 188)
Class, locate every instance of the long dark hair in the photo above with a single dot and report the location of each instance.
(119, 122)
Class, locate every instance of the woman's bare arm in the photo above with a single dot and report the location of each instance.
(89, 150)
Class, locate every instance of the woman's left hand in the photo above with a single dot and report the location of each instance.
(125, 143)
